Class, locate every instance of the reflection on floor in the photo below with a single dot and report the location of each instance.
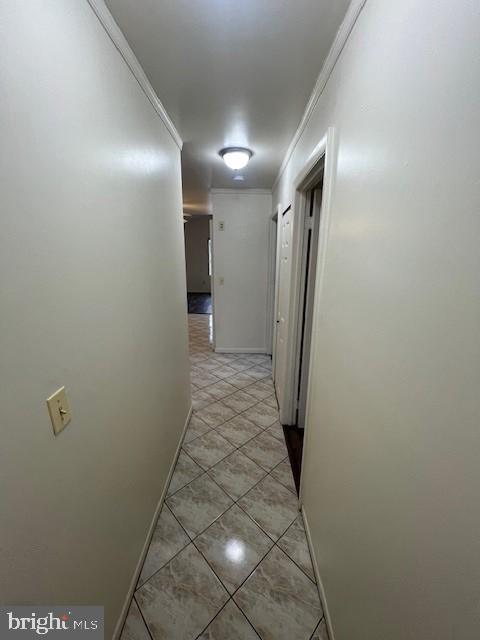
(199, 303)
(229, 558)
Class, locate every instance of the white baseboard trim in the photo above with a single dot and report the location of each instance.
(240, 350)
(141, 560)
(321, 590)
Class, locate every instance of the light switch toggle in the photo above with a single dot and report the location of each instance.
(59, 410)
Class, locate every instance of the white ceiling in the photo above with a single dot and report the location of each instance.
(230, 73)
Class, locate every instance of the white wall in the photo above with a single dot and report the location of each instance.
(241, 259)
(392, 473)
(92, 294)
(197, 233)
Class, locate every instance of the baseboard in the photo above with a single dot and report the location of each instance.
(240, 350)
(321, 590)
(138, 569)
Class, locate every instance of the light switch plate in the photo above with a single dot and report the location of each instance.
(59, 410)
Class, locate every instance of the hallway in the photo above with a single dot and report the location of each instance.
(275, 171)
(229, 557)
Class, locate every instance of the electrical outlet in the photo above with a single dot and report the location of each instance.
(59, 410)
(221, 226)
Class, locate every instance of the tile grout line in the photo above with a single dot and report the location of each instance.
(192, 541)
(237, 448)
(142, 616)
(235, 502)
(268, 473)
(205, 471)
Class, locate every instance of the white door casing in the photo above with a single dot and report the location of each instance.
(281, 365)
(322, 159)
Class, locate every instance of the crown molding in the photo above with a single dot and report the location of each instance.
(116, 36)
(241, 192)
(336, 49)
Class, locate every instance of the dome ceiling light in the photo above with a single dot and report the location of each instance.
(236, 157)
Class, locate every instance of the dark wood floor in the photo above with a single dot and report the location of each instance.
(199, 303)
(294, 440)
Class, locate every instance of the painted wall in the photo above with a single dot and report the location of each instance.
(241, 259)
(92, 294)
(197, 234)
(391, 474)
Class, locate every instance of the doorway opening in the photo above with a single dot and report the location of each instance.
(309, 248)
(307, 294)
(303, 231)
(272, 286)
(198, 258)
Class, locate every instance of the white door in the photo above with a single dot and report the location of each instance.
(282, 306)
(211, 272)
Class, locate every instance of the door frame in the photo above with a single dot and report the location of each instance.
(271, 282)
(212, 277)
(278, 215)
(322, 159)
(306, 293)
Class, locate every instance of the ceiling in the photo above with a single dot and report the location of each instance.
(230, 73)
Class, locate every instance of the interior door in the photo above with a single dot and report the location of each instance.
(285, 258)
(309, 269)
(212, 275)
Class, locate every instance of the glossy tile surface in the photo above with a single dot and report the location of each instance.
(294, 543)
(168, 539)
(258, 372)
(283, 474)
(134, 627)
(182, 598)
(198, 504)
(203, 379)
(240, 401)
(215, 414)
(260, 390)
(201, 399)
(238, 430)
(273, 507)
(262, 414)
(225, 371)
(321, 632)
(230, 624)
(236, 474)
(266, 450)
(225, 509)
(233, 546)
(186, 470)
(221, 389)
(196, 427)
(241, 364)
(208, 449)
(241, 380)
(272, 402)
(279, 600)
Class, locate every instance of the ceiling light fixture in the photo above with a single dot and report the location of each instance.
(236, 157)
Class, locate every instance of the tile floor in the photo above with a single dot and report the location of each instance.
(229, 558)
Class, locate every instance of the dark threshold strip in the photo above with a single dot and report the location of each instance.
(294, 441)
